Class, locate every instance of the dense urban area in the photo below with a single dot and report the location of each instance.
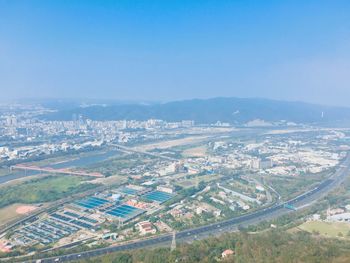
(83, 185)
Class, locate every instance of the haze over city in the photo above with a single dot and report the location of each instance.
(174, 50)
(155, 131)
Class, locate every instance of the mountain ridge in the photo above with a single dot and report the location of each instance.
(231, 110)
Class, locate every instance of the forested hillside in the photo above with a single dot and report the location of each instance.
(272, 246)
(232, 110)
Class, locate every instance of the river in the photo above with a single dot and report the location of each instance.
(80, 162)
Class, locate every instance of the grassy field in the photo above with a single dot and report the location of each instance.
(114, 165)
(328, 229)
(42, 190)
(292, 186)
(15, 211)
(193, 181)
(8, 213)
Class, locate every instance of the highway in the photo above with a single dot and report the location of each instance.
(220, 227)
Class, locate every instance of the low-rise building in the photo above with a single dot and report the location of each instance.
(146, 227)
(344, 217)
(166, 188)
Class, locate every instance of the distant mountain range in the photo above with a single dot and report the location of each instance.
(231, 110)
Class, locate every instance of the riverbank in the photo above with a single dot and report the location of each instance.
(79, 160)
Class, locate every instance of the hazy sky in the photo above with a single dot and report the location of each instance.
(170, 50)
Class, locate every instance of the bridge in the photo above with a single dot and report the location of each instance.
(55, 171)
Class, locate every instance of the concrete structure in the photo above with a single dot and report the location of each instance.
(166, 188)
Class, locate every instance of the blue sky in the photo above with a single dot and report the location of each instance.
(171, 50)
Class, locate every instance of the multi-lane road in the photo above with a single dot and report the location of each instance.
(224, 226)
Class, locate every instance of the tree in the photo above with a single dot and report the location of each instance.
(123, 258)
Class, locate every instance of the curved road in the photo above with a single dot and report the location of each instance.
(216, 228)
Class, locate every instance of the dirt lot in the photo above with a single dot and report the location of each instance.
(115, 179)
(199, 151)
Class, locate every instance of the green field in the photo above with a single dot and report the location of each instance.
(327, 228)
(187, 183)
(42, 190)
(292, 186)
(8, 213)
(113, 166)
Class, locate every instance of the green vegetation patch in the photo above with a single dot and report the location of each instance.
(192, 182)
(42, 190)
(113, 166)
(271, 246)
(334, 229)
(289, 187)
